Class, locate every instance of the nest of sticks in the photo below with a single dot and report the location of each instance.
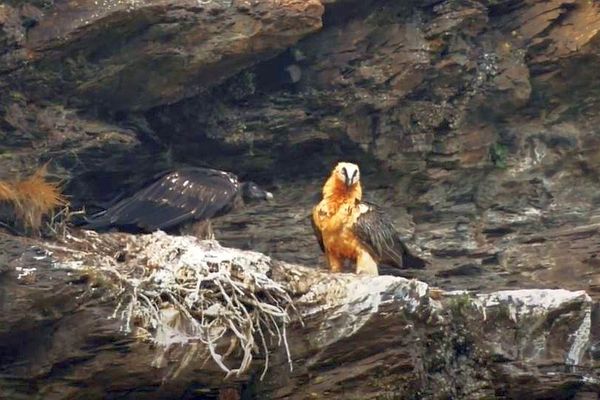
(179, 290)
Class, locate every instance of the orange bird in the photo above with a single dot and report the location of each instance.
(349, 229)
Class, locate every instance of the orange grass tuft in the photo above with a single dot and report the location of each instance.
(33, 198)
(6, 192)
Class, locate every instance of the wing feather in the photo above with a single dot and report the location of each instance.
(171, 199)
(317, 231)
(377, 233)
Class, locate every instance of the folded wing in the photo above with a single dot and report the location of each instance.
(172, 199)
(375, 231)
(316, 230)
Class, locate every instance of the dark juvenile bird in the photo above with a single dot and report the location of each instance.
(349, 229)
(179, 201)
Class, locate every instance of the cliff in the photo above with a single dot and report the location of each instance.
(473, 121)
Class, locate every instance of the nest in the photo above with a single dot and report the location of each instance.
(182, 290)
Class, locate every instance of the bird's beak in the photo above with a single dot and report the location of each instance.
(349, 181)
(268, 195)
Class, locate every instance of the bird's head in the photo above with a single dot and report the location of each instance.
(252, 192)
(347, 173)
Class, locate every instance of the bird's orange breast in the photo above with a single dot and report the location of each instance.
(336, 229)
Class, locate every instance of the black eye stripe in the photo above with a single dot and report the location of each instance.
(345, 172)
(354, 174)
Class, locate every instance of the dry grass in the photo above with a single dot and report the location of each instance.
(33, 198)
(6, 192)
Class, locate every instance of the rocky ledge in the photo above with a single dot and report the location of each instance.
(475, 121)
(75, 322)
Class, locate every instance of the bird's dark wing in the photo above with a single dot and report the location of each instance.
(376, 232)
(171, 199)
(317, 232)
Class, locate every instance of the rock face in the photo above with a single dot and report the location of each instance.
(474, 122)
(69, 70)
(351, 337)
(132, 55)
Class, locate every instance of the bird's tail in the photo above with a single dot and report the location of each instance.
(414, 262)
(93, 222)
(409, 260)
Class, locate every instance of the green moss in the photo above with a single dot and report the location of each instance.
(460, 304)
(499, 154)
